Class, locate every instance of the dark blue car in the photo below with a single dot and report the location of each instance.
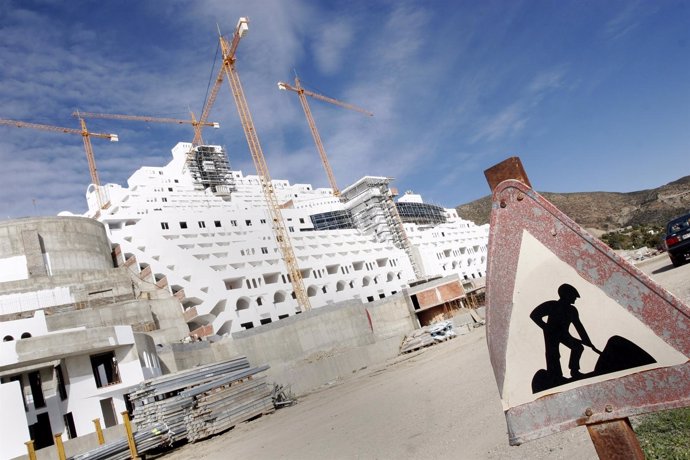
(678, 239)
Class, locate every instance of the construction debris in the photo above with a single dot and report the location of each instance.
(428, 335)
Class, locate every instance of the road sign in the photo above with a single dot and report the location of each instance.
(576, 334)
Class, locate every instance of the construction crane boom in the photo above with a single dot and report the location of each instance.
(302, 93)
(115, 116)
(278, 224)
(86, 137)
(240, 30)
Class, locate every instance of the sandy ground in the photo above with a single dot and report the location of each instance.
(441, 402)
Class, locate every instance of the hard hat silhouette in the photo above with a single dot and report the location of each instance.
(567, 291)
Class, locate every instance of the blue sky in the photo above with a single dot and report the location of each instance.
(591, 95)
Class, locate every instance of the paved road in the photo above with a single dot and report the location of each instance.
(438, 403)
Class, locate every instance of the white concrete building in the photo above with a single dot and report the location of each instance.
(204, 231)
(66, 379)
(72, 328)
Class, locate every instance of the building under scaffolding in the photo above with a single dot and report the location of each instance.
(210, 169)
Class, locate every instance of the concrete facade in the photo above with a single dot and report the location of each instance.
(52, 245)
(78, 333)
(312, 348)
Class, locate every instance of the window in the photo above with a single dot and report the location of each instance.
(37, 389)
(291, 229)
(169, 189)
(264, 250)
(105, 370)
(62, 389)
(301, 220)
(165, 226)
(69, 424)
(216, 223)
(248, 223)
(183, 224)
(202, 224)
(263, 221)
(233, 223)
(265, 321)
(164, 200)
(247, 325)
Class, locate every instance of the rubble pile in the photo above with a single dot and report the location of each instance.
(428, 335)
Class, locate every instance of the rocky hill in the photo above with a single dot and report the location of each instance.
(606, 211)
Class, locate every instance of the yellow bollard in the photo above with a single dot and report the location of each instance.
(99, 431)
(30, 449)
(130, 436)
(60, 447)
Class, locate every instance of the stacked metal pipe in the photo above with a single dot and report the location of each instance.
(203, 401)
(145, 439)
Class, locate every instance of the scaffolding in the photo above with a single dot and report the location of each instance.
(210, 169)
(373, 210)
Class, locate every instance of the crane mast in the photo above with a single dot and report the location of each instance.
(303, 93)
(277, 222)
(86, 137)
(396, 221)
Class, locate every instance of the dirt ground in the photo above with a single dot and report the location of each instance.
(441, 402)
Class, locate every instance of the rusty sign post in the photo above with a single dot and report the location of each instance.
(576, 335)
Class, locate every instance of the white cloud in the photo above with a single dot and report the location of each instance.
(330, 44)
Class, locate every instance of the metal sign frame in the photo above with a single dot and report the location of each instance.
(516, 207)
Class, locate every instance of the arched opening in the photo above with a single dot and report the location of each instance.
(26, 335)
(218, 308)
(311, 291)
(225, 328)
(390, 276)
(340, 286)
(242, 303)
(366, 281)
(7, 338)
(279, 297)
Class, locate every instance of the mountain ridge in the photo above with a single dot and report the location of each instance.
(605, 211)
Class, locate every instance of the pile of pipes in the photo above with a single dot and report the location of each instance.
(428, 335)
(203, 401)
(147, 439)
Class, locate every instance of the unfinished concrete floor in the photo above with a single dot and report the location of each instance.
(441, 402)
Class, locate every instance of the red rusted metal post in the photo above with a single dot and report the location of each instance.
(615, 440)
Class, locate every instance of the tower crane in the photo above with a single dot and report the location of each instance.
(281, 234)
(114, 116)
(86, 137)
(303, 93)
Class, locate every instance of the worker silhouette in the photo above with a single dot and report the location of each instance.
(560, 314)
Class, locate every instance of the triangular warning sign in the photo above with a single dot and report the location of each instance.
(576, 334)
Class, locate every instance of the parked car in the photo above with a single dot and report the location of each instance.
(678, 239)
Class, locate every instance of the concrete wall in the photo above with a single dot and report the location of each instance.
(77, 445)
(79, 288)
(53, 245)
(310, 349)
(13, 431)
